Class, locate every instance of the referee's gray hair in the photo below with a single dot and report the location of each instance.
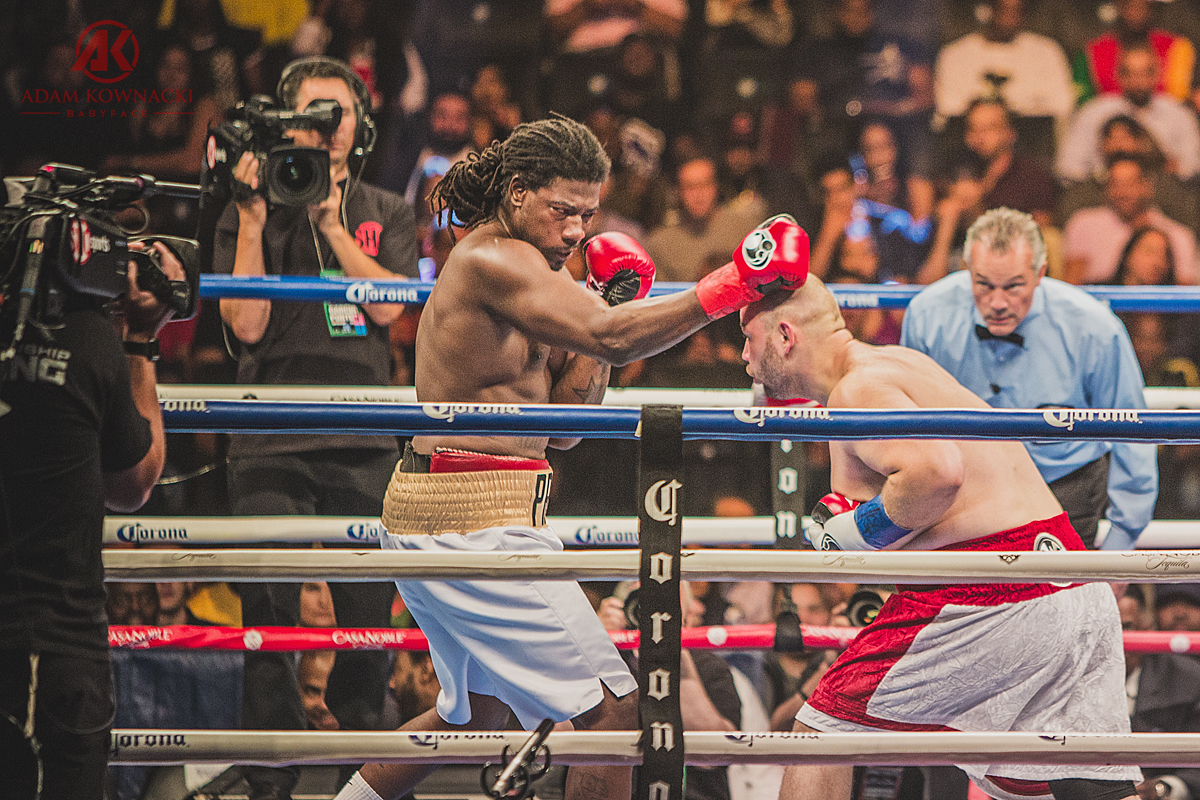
(1000, 229)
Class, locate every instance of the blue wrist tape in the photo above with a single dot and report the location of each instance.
(876, 526)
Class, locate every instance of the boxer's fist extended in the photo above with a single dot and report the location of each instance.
(619, 270)
(772, 256)
(839, 523)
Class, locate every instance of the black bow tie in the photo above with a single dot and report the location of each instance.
(983, 334)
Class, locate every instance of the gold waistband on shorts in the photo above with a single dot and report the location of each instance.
(461, 502)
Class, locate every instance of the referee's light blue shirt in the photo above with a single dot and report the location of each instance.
(1076, 354)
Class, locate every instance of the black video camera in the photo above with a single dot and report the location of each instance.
(60, 243)
(287, 175)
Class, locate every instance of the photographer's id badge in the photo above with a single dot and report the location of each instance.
(344, 319)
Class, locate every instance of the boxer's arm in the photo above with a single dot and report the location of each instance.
(511, 280)
(921, 476)
(581, 380)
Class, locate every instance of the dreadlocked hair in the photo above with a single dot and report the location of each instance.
(536, 152)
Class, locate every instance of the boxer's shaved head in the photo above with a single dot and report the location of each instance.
(810, 305)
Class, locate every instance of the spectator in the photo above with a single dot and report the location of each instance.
(1009, 178)
(493, 112)
(230, 59)
(1097, 72)
(702, 227)
(741, 171)
(791, 677)
(131, 603)
(1095, 237)
(637, 189)
(587, 38)
(747, 25)
(900, 242)
(1124, 135)
(447, 138)
(290, 343)
(413, 684)
(1027, 71)
(1172, 124)
(861, 73)
(172, 603)
(1164, 696)
(169, 143)
(313, 678)
(1178, 607)
(1069, 351)
(855, 261)
(639, 87)
(35, 139)
(888, 179)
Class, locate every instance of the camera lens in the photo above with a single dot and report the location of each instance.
(295, 174)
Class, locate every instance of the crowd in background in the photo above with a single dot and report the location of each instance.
(885, 127)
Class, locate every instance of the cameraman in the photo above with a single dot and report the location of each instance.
(80, 429)
(359, 231)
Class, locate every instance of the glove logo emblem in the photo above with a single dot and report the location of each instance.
(1046, 542)
(829, 543)
(757, 249)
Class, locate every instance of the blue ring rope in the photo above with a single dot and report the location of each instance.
(751, 424)
(1169, 299)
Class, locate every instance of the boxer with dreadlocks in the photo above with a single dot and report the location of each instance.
(507, 324)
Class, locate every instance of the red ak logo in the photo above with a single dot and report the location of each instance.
(102, 54)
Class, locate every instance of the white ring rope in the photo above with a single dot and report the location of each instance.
(162, 747)
(586, 531)
(780, 566)
(1163, 398)
(592, 532)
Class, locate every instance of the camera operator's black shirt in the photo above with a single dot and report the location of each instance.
(297, 348)
(66, 417)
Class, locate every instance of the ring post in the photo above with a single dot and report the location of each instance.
(659, 613)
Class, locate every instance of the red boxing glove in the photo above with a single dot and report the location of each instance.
(772, 256)
(831, 505)
(619, 270)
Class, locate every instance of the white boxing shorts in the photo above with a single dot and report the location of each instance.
(988, 657)
(537, 646)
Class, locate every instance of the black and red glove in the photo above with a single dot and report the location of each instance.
(619, 270)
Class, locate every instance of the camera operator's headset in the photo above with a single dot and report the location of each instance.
(295, 74)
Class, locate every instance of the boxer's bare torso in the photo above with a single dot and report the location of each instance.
(467, 354)
(999, 487)
(506, 323)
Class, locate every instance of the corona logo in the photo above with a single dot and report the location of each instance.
(1067, 417)
(662, 501)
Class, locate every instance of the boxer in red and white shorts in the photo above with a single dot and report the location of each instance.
(1002, 657)
(987, 657)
